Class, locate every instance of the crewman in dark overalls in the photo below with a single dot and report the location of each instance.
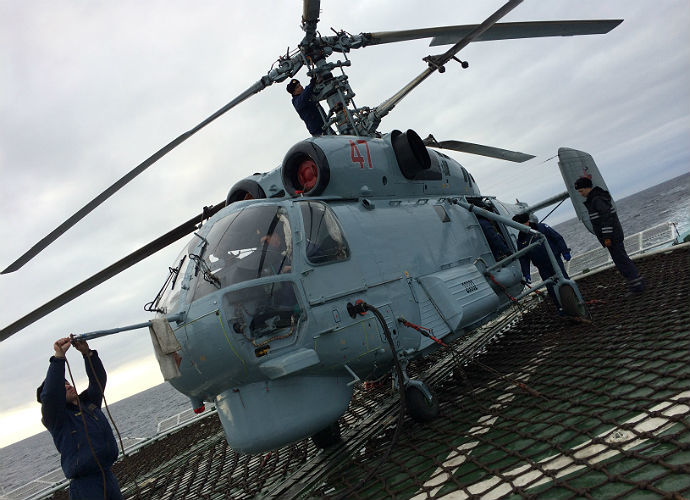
(607, 228)
(496, 242)
(80, 431)
(538, 254)
(309, 110)
(499, 248)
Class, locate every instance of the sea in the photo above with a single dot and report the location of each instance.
(138, 415)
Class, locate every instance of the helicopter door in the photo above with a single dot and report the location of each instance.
(325, 245)
(495, 232)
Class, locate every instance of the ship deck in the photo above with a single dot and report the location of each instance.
(547, 409)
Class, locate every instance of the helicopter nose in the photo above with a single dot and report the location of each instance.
(228, 339)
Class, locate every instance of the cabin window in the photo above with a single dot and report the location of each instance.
(251, 243)
(325, 240)
(266, 312)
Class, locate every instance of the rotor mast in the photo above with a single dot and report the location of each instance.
(336, 90)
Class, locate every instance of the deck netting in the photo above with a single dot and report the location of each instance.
(548, 409)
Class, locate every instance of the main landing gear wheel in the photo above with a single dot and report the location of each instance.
(327, 437)
(570, 302)
(419, 406)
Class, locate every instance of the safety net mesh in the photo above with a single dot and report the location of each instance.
(547, 409)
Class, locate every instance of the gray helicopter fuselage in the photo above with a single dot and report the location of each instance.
(268, 302)
(276, 348)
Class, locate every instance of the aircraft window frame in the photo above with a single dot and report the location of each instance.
(264, 312)
(240, 248)
(169, 296)
(329, 245)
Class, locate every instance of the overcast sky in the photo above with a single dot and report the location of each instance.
(90, 89)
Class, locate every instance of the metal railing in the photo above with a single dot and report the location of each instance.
(653, 238)
(644, 241)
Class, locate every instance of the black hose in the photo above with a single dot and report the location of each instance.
(360, 308)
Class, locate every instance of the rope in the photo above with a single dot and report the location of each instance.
(86, 431)
(554, 208)
(517, 383)
(515, 301)
(424, 331)
(505, 291)
(100, 387)
(536, 290)
(107, 409)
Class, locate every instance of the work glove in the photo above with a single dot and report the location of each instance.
(566, 256)
(607, 242)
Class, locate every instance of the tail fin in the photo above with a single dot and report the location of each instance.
(573, 165)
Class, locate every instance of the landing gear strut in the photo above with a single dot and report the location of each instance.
(420, 401)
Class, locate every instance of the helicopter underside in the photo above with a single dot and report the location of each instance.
(265, 415)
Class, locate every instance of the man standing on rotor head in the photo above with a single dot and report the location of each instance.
(607, 228)
(310, 111)
(80, 431)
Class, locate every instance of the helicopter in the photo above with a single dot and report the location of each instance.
(263, 299)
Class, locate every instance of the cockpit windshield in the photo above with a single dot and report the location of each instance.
(249, 244)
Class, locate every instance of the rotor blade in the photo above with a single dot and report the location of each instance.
(436, 62)
(547, 202)
(84, 211)
(310, 16)
(478, 149)
(110, 271)
(381, 37)
(533, 29)
(444, 35)
(311, 10)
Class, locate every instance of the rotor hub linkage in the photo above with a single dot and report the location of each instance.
(433, 62)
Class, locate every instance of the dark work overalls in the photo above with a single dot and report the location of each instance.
(540, 257)
(602, 215)
(65, 422)
(309, 110)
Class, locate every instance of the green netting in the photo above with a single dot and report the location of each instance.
(549, 409)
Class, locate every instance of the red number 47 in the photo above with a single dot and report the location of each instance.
(357, 156)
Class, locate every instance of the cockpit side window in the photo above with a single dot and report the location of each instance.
(167, 298)
(325, 240)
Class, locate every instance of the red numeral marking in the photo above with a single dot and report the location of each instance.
(357, 156)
